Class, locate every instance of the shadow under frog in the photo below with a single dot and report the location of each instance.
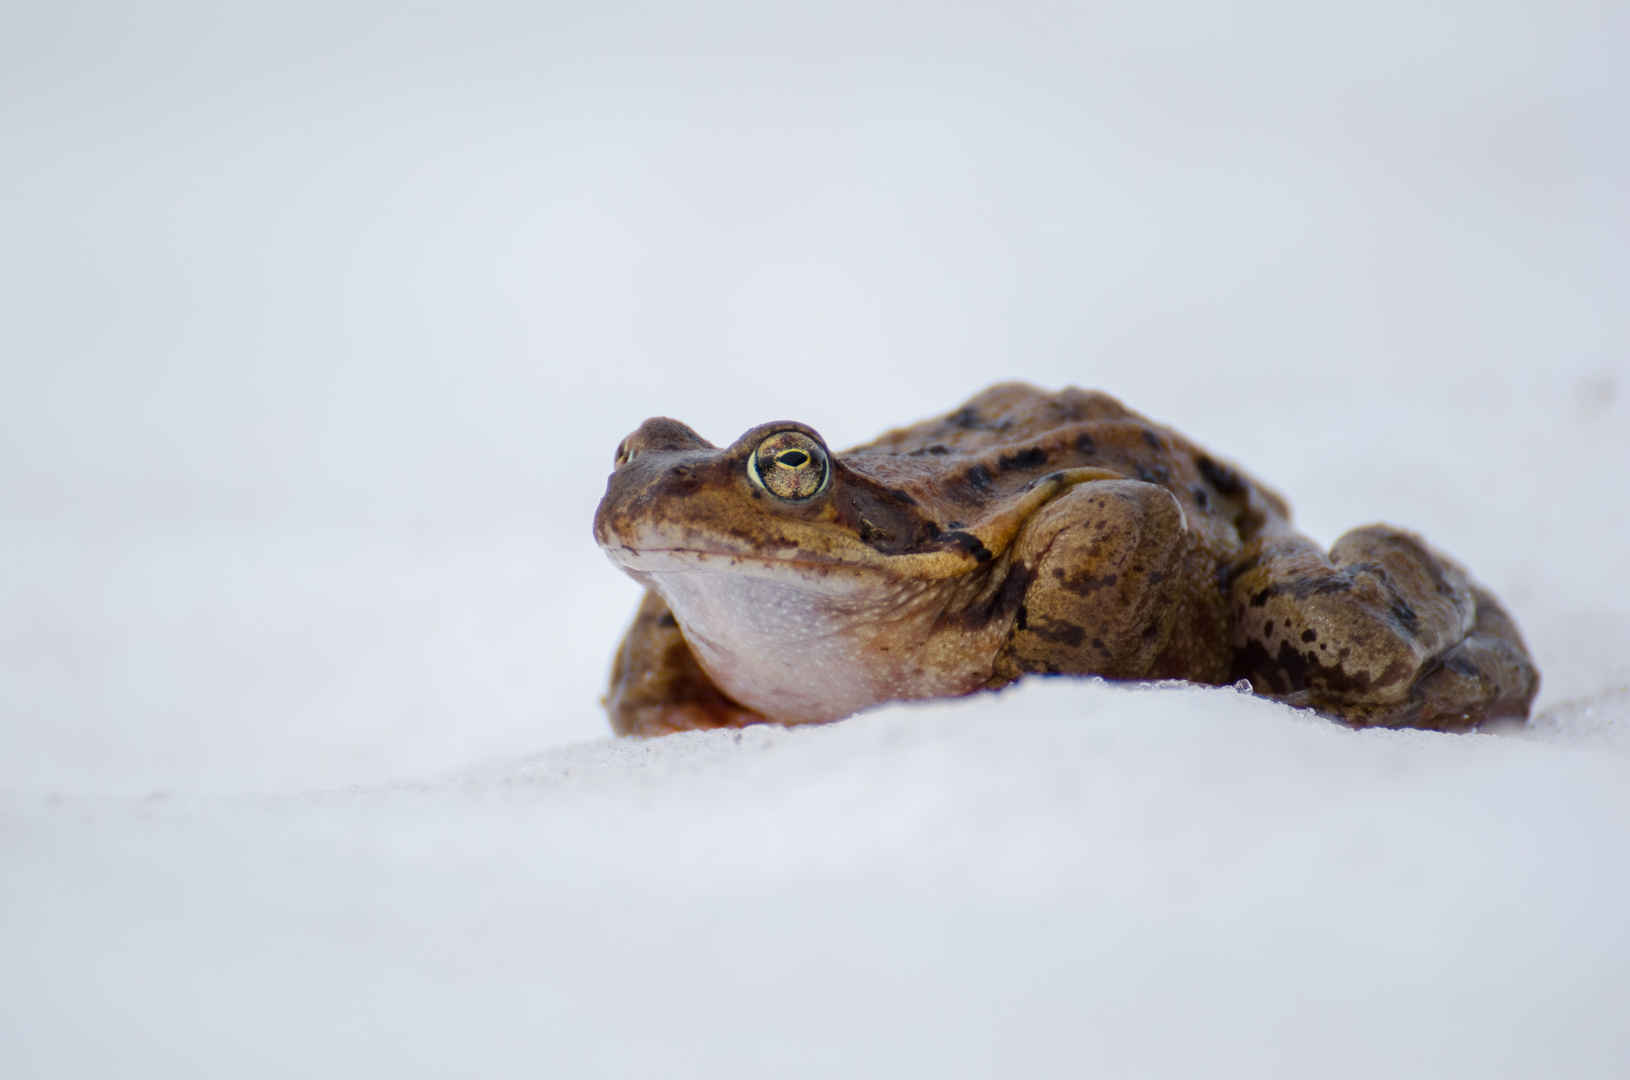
(1026, 532)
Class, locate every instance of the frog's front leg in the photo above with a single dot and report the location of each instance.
(657, 687)
(1381, 632)
(1103, 567)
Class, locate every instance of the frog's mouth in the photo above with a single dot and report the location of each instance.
(639, 562)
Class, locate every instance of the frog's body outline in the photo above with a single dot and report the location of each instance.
(1026, 532)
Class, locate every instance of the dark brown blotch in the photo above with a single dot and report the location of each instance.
(972, 545)
(1219, 476)
(1086, 584)
(1035, 457)
(1058, 632)
(1406, 616)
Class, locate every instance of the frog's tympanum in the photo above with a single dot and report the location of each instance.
(1026, 532)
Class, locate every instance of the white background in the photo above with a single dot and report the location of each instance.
(319, 324)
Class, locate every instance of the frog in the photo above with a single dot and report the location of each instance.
(1024, 533)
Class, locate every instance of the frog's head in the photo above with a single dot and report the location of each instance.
(781, 560)
(776, 502)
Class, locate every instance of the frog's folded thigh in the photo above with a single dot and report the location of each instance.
(1104, 561)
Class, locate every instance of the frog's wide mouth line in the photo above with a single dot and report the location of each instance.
(630, 556)
(879, 568)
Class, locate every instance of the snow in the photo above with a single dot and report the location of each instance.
(1068, 876)
(319, 326)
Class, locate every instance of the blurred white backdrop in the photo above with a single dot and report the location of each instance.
(319, 322)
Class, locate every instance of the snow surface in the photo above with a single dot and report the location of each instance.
(319, 324)
(1068, 878)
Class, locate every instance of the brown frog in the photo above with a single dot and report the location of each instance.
(1026, 532)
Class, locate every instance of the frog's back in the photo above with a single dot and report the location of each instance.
(997, 443)
(1004, 414)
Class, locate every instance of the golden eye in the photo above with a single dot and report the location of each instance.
(790, 465)
(625, 453)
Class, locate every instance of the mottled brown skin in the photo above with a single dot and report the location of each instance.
(1026, 532)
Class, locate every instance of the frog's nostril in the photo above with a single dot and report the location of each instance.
(680, 470)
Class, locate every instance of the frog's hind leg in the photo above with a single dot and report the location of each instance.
(1381, 632)
(1104, 566)
(657, 687)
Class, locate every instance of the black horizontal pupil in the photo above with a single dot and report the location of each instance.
(792, 458)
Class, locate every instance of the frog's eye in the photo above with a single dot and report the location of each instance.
(790, 465)
(625, 452)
